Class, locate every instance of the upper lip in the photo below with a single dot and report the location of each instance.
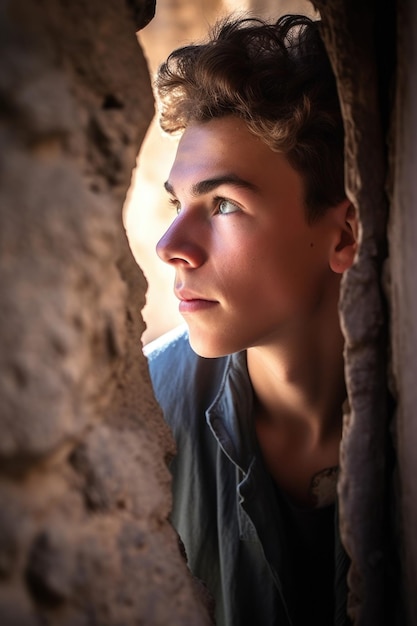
(186, 294)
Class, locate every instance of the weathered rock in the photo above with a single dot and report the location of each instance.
(84, 487)
(403, 299)
(359, 42)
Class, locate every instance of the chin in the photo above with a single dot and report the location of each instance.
(207, 349)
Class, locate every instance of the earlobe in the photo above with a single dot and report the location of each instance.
(346, 240)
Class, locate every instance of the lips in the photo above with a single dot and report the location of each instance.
(191, 301)
(188, 295)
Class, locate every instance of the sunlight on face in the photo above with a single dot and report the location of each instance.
(247, 264)
(146, 212)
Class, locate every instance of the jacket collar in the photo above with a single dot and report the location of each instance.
(230, 416)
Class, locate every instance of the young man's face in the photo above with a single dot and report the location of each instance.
(249, 269)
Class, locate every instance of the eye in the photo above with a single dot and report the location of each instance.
(175, 204)
(226, 206)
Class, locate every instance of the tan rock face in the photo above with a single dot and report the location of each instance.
(84, 487)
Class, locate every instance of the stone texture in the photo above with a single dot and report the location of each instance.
(402, 240)
(360, 39)
(84, 487)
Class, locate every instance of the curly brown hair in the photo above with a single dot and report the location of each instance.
(276, 77)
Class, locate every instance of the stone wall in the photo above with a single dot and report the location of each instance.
(403, 297)
(361, 39)
(84, 488)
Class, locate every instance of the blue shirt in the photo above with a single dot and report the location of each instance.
(225, 505)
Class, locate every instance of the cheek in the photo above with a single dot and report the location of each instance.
(252, 275)
(278, 273)
(267, 264)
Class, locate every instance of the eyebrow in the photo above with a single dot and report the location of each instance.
(205, 186)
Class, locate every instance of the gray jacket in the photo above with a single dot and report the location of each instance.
(225, 505)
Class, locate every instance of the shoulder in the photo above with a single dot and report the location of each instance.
(184, 383)
(162, 347)
(170, 357)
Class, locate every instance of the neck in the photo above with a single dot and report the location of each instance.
(301, 381)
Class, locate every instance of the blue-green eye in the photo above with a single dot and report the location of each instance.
(226, 207)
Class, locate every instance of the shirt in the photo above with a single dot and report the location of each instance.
(225, 505)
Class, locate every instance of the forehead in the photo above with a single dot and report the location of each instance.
(219, 140)
(226, 147)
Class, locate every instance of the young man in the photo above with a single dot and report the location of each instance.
(254, 389)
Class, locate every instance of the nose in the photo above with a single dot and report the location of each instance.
(182, 245)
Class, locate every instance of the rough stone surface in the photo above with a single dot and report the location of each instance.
(84, 488)
(143, 11)
(351, 34)
(402, 239)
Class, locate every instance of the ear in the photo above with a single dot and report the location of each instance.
(345, 243)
